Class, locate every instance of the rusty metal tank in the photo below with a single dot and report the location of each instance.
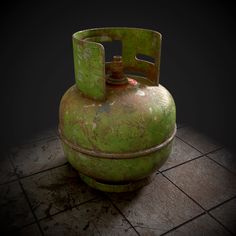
(117, 123)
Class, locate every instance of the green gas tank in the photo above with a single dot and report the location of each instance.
(117, 123)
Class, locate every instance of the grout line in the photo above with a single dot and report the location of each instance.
(31, 208)
(26, 176)
(206, 211)
(10, 156)
(217, 149)
(222, 203)
(193, 159)
(220, 223)
(178, 226)
(35, 141)
(9, 182)
(49, 138)
(184, 192)
(95, 226)
(67, 209)
(180, 164)
(16, 230)
(42, 171)
(121, 213)
(27, 199)
(220, 164)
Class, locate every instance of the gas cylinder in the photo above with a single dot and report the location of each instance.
(117, 123)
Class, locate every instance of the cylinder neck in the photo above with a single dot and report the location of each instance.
(117, 75)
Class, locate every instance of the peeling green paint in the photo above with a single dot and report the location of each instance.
(116, 119)
(89, 56)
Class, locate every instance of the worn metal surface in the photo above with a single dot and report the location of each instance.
(117, 155)
(117, 75)
(126, 187)
(134, 117)
(116, 132)
(117, 170)
(89, 56)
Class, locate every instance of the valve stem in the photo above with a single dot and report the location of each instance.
(117, 73)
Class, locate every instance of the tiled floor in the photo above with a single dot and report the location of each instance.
(194, 193)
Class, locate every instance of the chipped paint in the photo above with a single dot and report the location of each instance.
(140, 93)
(92, 105)
(112, 103)
(116, 120)
(89, 57)
(94, 126)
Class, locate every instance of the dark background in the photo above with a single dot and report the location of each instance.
(198, 59)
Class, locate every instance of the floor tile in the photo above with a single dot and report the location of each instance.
(157, 207)
(205, 181)
(226, 214)
(32, 158)
(6, 170)
(14, 209)
(203, 225)
(56, 190)
(92, 218)
(42, 135)
(225, 158)
(198, 140)
(30, 230)
(181, 152)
